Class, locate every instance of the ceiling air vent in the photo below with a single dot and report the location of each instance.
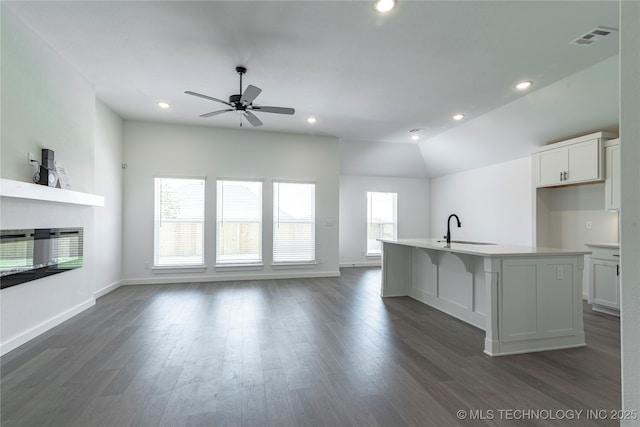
(593, 36)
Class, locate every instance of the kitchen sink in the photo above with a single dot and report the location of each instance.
(465, 242)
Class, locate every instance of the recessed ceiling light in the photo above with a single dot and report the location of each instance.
(384, 5)
(311, 119)
(458, 117)
(415, 134)
(164, 105)
(523, 85)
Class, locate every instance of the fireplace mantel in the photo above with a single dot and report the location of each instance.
(27, 190)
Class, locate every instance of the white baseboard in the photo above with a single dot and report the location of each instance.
(110, 288)
(229, 277)
(43, 327)
(361, 264)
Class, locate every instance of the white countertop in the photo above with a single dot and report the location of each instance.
(604, 245)
(483, 250)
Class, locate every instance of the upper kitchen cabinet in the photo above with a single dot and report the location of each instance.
(574, 161)
(612, 175)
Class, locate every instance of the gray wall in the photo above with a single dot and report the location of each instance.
(412, 211)
(493, 203)
(630, 211)
(47, 104)
(153, 149)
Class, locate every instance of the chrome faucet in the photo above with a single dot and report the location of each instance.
(448, 236)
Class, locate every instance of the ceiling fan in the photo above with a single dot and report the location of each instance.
(244, 102)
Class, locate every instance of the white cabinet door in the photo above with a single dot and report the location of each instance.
(605, 284)
(551, 165)
(573, 163)
(612, 178)
(535, 298)
(583, 162)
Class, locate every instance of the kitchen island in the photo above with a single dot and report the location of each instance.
(526, 299)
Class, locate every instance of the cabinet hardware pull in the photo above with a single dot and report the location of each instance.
(560, 176)
(616, 255)
(565, 175)
(617, 269)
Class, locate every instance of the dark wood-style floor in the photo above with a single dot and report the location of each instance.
(317, 352)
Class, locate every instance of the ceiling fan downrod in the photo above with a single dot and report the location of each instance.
(241, 70)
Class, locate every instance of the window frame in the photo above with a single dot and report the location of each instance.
(200, 266)
(275, 220)
(369, 222)
(239, 264)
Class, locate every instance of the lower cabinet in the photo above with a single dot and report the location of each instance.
(604, 280)
(538, 299)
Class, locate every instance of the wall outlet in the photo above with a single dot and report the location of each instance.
(559, 272)
(588, 225)
(146, 265)
(31, 158)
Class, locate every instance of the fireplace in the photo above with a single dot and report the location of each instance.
(32, 254)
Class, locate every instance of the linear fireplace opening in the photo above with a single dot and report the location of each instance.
(31, 254)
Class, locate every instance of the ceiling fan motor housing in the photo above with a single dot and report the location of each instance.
(235, 101)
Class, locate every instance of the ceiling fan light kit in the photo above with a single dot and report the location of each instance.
(243, 101)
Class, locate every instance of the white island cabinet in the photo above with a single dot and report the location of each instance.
(526, 299)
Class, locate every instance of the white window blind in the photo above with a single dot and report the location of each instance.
(294, 222)
(381, 220)
(239, 222)
(178, 222)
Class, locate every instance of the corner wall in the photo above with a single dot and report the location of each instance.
(413, 213)
(153, 149)
(108, 183)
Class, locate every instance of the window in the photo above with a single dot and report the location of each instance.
(178, 222)
(294, 222)
(381, 220)
(239, 222)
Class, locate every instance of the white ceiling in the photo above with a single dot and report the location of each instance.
(368, 78)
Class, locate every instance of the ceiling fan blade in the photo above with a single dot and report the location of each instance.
(199, 95)
(215, 113)
(250, 93)
(277, 110)
(252, 118)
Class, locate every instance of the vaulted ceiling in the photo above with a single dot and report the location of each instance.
(368, 78)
